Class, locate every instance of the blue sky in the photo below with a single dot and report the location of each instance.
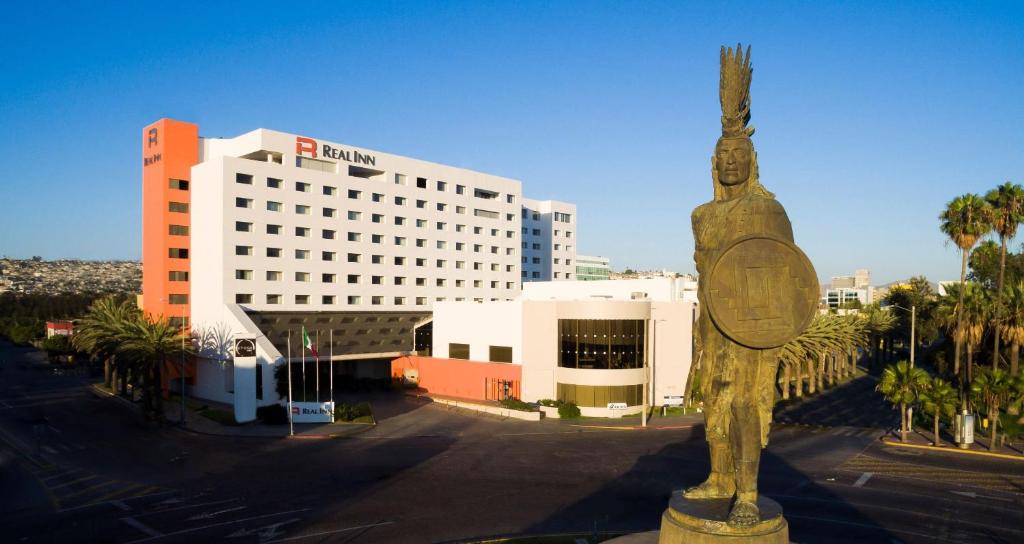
(869, 117)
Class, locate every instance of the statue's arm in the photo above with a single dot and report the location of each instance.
(778, 222)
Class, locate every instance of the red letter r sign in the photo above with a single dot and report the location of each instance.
(305, 145)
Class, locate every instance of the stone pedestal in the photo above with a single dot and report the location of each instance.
(704, 522)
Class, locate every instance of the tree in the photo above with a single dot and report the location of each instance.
(900, 385)
(992, 388)
(965, 220)
(917, 293)
(976, 315)
(1007, 203)
(940, 399)
(1012, 327)
(99, 334)
(984, 265)
(152, 344)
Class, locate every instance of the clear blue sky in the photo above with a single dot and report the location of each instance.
(869, 117)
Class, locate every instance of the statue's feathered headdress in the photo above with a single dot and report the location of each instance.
(734, 92)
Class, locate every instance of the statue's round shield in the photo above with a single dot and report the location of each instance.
(762, 291)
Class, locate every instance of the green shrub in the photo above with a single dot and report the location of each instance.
(352, 412)
(513, 403)
(550, 403)
(275, 414)
(568, 410)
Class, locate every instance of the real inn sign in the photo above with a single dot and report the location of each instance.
(307, 147)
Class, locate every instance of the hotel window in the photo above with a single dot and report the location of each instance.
(177, 275)
(485, 213)
(377, 197)
(536, 232)
(460, 283)
(273, 206)
(510, 234)
(525, 245)
(274, 275)
(536, 246)
(399, 220)
(273, 229)
(243, 178)
(377, 238)
(442, 186)
(177, 299)
(421, 203)
(460, 265)
(478, 230)
(302, 231)
(478, 266)
(301, 299)
(421, 282)
(273, 299)
(179, 184)
(460, 209)
(421, 261)
(441, 225)
(302, 276)
(353, 278)
(243, 202)
(353, 257)
(330, 212)
(494, 232)
(327, 299)
(477, 248)
(536, 216)
(302, 209)
(243, 250)
(556, 260)
(400, 179)
(557, 246)
(377, 280)
(330, 191)
(243, 226)
(441, 206)
(494, 267)
(377, 218)
(568, 234)
(510, 217)
(478, 283)
(243, 274)
(536, 260)
(273, 183)
(460, 228)
(441, 244)
(327, 278)
(301, 187)
(354, 216)
(399, 201)
(243, 298)
(179, 207)
(400, 261)
(494, 285)
(421, 183)
(354, 300)
(302, 254)
(510, 251)
(178, 230)
(376, 259)
(273, 252)
(510, 285)
(460, 189)
(399, 301)
(399, 240)
(399, 280)
(421, 223)
(420, 242)
(508, 268)
(500, 354)
(441, 263)
(511, 199)
(536, 275)
(601, 343)
(421, 301)
(563, 217)
(328, 255)
(377, 301)
(354, 194)
(459, 246)
(327, 234)
(354, 237)
(440, 282)
(458, 351)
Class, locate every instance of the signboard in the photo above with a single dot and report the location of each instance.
(616, 405)
(673, 400)
(245, 347)
(313, 412)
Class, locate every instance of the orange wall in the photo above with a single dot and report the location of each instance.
(455, 377)
(169, 152)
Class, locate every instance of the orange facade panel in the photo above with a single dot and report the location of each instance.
(169, 151)
(458, 378)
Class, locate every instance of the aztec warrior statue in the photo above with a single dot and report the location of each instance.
(756, 292)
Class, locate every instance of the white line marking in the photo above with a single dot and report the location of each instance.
(863, 479)
(185, 507)
(221, 524)
(50, 450)
(208, 515)
(311, 535)
(142, 527)
(121, 505)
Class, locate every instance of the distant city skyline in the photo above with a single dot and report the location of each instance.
(870, 117)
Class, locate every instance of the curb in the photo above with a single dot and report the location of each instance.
(954, 450)
(364, 427)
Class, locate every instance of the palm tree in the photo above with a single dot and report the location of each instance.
(993, 389)
(1007, 203)
(99, 332)
(940, 399)
(976, 304)
(1012, 327)
(965, 220)
(900, 385)
(826, 334)
(152, 344)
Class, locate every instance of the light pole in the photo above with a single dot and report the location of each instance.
(184, 329)
(913, 324)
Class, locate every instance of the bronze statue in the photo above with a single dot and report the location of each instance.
(756, 292)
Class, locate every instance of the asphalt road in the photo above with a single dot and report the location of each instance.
(95, 473)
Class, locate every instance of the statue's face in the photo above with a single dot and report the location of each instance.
(733, 160)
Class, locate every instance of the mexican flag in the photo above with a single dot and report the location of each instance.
(308, 344)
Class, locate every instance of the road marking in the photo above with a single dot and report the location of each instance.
(72, 482)
(121, 505)
(185, 507)
(974, 495)
(61, 474)
(221, 524)
(863, 479)
(142, 527)
(208, 515)
(312, 535)
(88, 489)
(266, 532)
(50, 450)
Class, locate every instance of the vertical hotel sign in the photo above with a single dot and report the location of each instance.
(152, 153)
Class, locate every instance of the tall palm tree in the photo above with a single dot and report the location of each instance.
(976, 303)
(993, 389)
(98, 334)
(965, 220)
(1007, 203)
(900, 385)
(152, 344)
(826, 334)
(939, 398)
(1012, 326)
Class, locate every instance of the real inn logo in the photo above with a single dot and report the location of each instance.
(307, 147)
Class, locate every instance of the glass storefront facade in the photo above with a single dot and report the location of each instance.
(601, 343)
(598, 396)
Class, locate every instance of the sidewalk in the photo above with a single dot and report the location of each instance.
(923, 441)
(196, 422)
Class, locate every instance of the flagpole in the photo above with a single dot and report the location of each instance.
(288, 366)
(304, 399)
(331, 350)
(317, 363)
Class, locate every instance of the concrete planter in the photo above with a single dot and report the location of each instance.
(487, 409)
(549, 412)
